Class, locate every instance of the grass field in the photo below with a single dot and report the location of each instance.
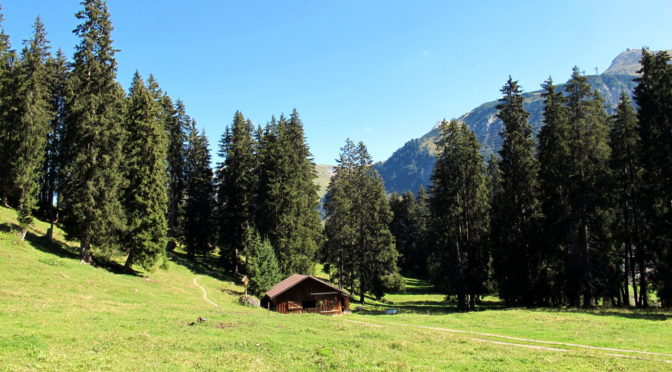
(59, 315)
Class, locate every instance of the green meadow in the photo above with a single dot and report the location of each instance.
(59, 315)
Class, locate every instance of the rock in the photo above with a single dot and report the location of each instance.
(248, 300)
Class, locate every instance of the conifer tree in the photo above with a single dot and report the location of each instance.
(554, 160)
(627, 183)
(236, 180)
(360, 248)
(653, 95)
(589, 246)
(7, 131)
(339, 250)
(287, 197)
(199, 227)
(91, 190)
(177, 122)
(145, 199)
(59, 71)
(261, 265)
(30, 116)
(409, 229)
(459, 210)
(517, 256)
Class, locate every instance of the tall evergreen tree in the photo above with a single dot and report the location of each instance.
(589, 246)
(199, 227)
(30, 115)
(287, 197)
(91, 190)
(145, 199)
(627, 178)
(360, 248)
(177, 122)
(460, 220)
(517, 255)
(554, 162)
(340, 227)
(653, 95)
(59, 71)
(236, 180)
(7, 131)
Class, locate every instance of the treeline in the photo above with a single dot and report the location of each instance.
(580, 216)
(130, 174)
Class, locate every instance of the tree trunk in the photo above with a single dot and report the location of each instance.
(633, 277)
(85, 252)
(626, 285)
(588, 294)
(362, 289)
(23, 233)
(643, 298)
(128, 266)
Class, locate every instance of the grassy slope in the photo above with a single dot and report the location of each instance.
(56, 314)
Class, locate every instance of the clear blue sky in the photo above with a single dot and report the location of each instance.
(378, 71)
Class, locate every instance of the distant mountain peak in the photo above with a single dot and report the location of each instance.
(626, 63)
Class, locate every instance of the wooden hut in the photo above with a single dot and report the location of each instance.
(306, 294)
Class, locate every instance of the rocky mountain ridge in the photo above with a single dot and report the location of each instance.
(411, 166)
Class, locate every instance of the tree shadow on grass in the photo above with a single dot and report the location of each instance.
(60, 249)
(199, 266)
(640, 314)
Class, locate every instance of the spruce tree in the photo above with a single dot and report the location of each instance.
(236, 180)
(145, 196)
(177, 123)
(92, 175)
(360, 247)
(627, 183)
(459, 212)
(287, 197)
(653, 95)
(517, 257)
(199, 227)
(338, 253)
(409, 229)
(589, 246)
(59, 71)
(7, 130)
(554, 161)
(261, 265)
(30, 118)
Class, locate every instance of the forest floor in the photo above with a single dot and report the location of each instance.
(56, 314)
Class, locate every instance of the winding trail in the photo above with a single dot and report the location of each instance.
(205, 293)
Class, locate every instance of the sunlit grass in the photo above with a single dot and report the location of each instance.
(59, 315)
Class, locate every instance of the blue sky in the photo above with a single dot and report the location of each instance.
(378, 71)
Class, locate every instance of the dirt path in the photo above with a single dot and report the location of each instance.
(543, 342)
(205, 294)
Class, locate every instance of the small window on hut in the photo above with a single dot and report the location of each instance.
(309, 304)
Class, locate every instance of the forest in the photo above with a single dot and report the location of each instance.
(579, 216)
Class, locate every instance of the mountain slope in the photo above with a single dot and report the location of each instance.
(411, 166)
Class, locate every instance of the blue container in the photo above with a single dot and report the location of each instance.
(391, 311)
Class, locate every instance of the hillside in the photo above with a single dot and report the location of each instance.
(56, 314)
(411, 166)
(324, 173)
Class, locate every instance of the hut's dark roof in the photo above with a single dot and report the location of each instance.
(294, 280)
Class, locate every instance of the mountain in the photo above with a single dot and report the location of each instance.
(324, 173)
(411, 166)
